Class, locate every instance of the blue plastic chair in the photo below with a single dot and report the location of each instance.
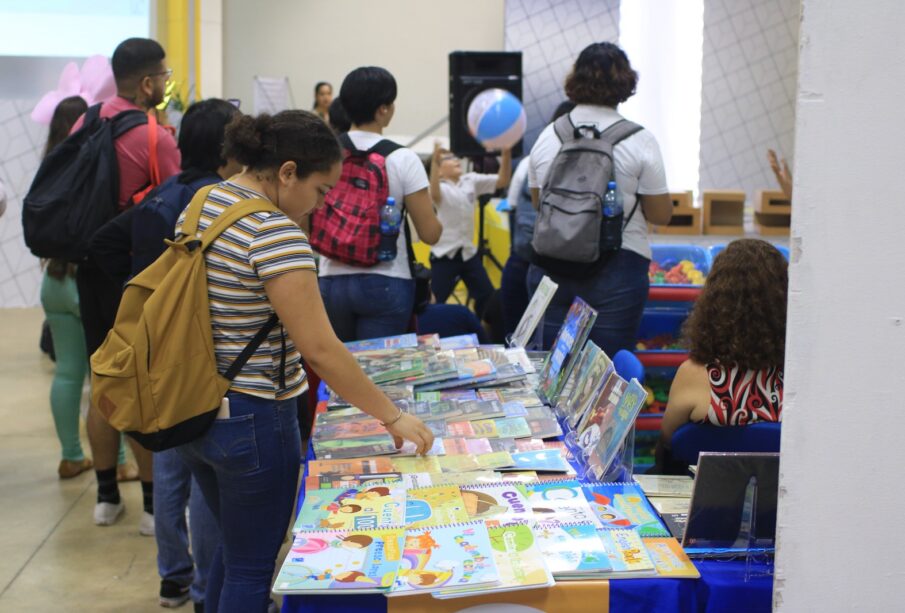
(691, 439)
(628, 366)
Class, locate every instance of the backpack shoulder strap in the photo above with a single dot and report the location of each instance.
(193, 211)
(619, 131)
(231, 215)
(385, 147)
(127, 120)
(564, 128)
(348, 145)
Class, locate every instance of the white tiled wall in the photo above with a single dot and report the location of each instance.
(21, 140)
(550, 34)
(750, 69)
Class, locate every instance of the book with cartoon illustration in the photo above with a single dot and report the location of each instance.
(341, 561)
(499, 502)
(615, 427)
(434, 506)
(670, 559)
(544, 460)
(572, 550)
(593, 369)
(623, 505)
(519, 561)
(387, 342)
(568, 343)
(561, 501)
(353, 508)
(436, 557)
(627, 554)
(589, 428)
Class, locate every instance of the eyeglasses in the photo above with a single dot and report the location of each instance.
(168, 72)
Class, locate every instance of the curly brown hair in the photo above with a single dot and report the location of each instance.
(602, 76)
(740, 316)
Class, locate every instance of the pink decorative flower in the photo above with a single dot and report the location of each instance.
(94, 82)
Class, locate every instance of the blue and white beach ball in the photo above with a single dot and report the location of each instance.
(496, 119)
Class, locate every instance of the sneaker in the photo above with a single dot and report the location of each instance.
(172, 594)
(106, 513)
(146, 525)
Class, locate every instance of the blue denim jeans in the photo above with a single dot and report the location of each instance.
(618, 293)
(446, 272)
(368, 305)
(247, 467)
(514, 291)
(174, 488)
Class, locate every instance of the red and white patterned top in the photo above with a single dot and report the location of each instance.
(742, 396)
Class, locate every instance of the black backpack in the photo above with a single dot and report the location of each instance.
(76, 189)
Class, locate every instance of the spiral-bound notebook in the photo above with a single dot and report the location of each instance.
(436, 505)
(562, 501)
(623, 505)
(341, 562)
(359, 507)
(453, 555)
(572, 550)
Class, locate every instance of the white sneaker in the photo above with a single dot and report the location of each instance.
(146, 525)
(106, 513)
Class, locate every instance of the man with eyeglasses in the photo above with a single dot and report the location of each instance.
(141, 75)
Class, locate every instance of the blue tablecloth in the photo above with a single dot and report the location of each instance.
(722, 588)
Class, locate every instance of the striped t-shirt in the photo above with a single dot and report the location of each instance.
(258, 247)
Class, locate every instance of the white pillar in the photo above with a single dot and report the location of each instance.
(211, 82)
(841, 499)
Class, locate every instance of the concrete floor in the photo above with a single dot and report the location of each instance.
(52, 556)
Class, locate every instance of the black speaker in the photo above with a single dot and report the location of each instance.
(470, 73)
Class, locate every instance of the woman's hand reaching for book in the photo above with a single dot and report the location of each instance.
(409, 428)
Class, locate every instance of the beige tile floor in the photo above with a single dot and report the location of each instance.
(52, 556)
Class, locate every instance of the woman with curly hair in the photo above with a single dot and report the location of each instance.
(737, 341)
(616, 286)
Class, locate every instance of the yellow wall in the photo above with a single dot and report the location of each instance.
(180, 40)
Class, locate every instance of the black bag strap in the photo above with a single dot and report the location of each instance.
(384, 147)
(252, 346)
(127, 120)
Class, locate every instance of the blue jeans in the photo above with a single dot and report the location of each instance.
(514, 291)
(446, 272)
(248, 468)
(174, 488)
(368, 305)
(618, 293)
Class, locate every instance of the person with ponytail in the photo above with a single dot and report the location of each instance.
(247, 463)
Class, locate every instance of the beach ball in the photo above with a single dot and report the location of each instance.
(496, 119)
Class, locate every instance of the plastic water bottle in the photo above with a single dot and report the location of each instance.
(612, 201)
(390, 220)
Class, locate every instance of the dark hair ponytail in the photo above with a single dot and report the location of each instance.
(266, 142)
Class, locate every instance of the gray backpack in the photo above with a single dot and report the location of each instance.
(571, 235)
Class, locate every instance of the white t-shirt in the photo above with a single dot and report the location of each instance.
(406, 175)
(456, 213)
(518, 178)
(639, 168)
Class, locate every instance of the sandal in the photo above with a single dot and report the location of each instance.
(69, 469)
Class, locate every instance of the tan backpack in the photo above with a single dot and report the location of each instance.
(155, 377)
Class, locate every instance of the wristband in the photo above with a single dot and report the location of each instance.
(387, 424)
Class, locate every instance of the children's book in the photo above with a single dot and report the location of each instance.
(448, 395)
(438, 366)
(518, 355)
(591, 379)
(673, 486)
(386, 342)
(459, 463)
(354, 508)
(546, 460)
(560, 501)
(589, 427)
(437, 557)
(504, 427)
(410, 448)
(339, 415)
(470, 373)
(615, 427)
(627, 554)
(463, 341)
(527, 397)
(572, 550)
(434, 506)
(514, 409)
(569, 341)
(429, 341)
(414, 480)
(349, 428)
(458, 446)
(417, 464)
(322, 482)
(463, 429)
(540, 300)
(341, 561)
(361, 466)
(669, 558)
(469, 478)
(354, 447)
(496, 460)
(500, 502)
(519, 562)
(509, 445)
(530, 444)
(545, 427)
(380, 369)
(623, 505)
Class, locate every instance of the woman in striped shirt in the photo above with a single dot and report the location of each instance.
(247, 464)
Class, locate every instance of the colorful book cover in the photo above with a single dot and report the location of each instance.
(569, 341)
(546, 427)
(572, 550)
(323, 482)
(537, 306)
(360, 466)
(593, 372)
(530, 444)
(627, 553)
(438, 366)
(429, 341)
(436, 557)
(547, 460)
(416, 480)
(386, 342)
(623, 505)
(349, 428)
(381, 370)
(509, 445)
(458, 463)
(527, 397)
(616, 427)
(354, 508)
(354, 447)
(518, 355)
(514, 409)
(669, 558)
(519, 562)
(458, 446)
(501, 502)
(504, 427)
(410, 448)
(463, 429)
(447, 395)
(463, 341)
(417, 464)
(589, 428)
(434, 506)
(561, 501)
(470, 478)
(351, 561)
(471, 373)
(494, 461)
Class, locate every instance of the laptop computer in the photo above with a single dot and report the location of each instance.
(733, 506)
